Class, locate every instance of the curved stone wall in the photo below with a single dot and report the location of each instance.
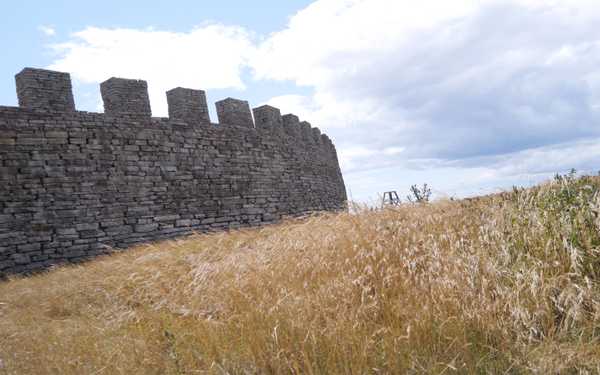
(74, 185)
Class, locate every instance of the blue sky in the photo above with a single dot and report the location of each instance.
(468, 96)
(23, 24)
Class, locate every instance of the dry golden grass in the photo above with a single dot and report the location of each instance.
(502, 284)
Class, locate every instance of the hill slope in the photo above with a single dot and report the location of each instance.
(501, 283)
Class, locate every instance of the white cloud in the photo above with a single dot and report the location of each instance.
(300, 105)
(334, 38)
(443, 80)
(47, 30)
(207, 57)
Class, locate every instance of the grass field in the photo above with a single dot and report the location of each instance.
(507, 283)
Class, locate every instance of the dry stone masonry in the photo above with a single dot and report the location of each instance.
(74, 185)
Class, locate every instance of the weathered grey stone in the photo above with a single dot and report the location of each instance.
(183, 223)
(268, 118)
(125, 96)
(45, 90)
(234, 112)
(291, 125)
(143, 228)
(306, 132)
(188, 105)
(20, 259)
(316, 134)
(29, 247)
(87, 226)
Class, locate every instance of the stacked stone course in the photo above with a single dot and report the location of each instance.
(74, 185)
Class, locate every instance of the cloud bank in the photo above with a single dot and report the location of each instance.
(449, 81)
(512, 87)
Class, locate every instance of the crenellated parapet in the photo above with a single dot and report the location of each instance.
(74, 184)
(188, 105)
(51, 91)
(45, 90)
(329, 149)
(306, 132)
(234, 112)
(291, 125)
(268, 119)
(125, 96)
(48, 90)
(316, 135)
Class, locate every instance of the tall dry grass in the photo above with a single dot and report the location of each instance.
(501, 284)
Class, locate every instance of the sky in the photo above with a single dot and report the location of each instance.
(471, 97)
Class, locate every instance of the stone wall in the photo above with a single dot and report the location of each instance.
(74, 185)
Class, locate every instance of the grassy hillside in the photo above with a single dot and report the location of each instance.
(501, 284)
